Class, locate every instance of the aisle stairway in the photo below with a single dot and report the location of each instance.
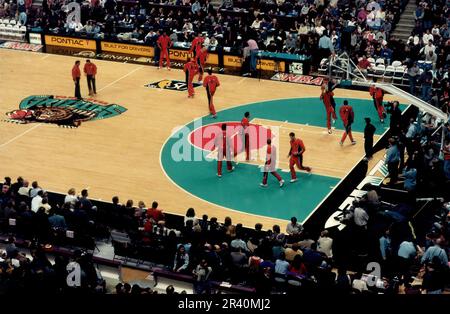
(406, 23)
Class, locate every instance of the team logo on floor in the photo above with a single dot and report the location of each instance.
(63, 111)
(171, 85)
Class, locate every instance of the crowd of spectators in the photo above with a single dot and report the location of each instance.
(361, 28)
(278, 259)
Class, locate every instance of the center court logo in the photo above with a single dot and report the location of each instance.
(63, 111)
(201, 143)
(171, 85)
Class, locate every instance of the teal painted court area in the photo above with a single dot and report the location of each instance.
(240, 189)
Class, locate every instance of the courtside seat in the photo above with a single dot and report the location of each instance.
(396, 63)
(379, 71)
(2, 30)
(389, 73)
(12, 22)
(379, 61)
(9, 31)
(371, 60)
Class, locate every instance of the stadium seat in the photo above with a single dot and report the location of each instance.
(379, 71)
(2, 30)
(371, 60)
(12, 22)
(379, 61)
(396, 63)
(389, 73)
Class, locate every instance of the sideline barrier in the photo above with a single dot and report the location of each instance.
(98, 48)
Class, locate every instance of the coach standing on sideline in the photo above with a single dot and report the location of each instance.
(76, 74)
(369, 131)
(90, 70)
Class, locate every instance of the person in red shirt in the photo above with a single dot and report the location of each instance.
(201, 57)
(76, 74)
(296, 156)
(211, 83)
(196, 45)
(155, 214)
(191, 69)
(347, 116)
(222, 142)
(270, 164)
(90, 69)
(245, 123)
(327, 98)
(164, 43)
(377, 95)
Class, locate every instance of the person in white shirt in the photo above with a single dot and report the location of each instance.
(293, 228)
(25, 189)
(256, 23)
(429, 47)
(71, 197)
(36, 202)
(427, 37)
(360, 217)
(34, 189)
(325, 243)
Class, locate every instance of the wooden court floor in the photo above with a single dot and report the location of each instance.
(120, 155)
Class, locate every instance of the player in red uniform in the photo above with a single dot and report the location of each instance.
(271, 164)
(90, 69)
(296, 156)
(211, 83)
(164, 43)
(245, 123)
(347, 116)
(327, 98)
(76, 74)
(191, 69)
(377, 95)
(201, 58)
(222, 142)
(196, 45)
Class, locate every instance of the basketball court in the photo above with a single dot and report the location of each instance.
(141, 113)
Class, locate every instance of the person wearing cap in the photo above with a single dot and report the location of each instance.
(164, 43)
(347, 116)
(90, 69)
(369, 131)
(211, 83)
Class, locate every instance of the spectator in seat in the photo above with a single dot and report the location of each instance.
(181, 261)
(190, 215)
(291, 252)
(154, 213)
(201, 276)
(84, 201)
(364, 65)
(294, 229)
(25, 189)
(34, 189)
(56, 220)
(71, 197)
(281, 265)
(325, 244)
(37, 201)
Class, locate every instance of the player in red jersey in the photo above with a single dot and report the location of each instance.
(201, 58)
(245, 123)
(377, 95)
(347, 116)
(222, 142)
(164, 43)
(296, 156)
(191, 69)
(327, 98)
(211, 83)
(271, 164)
(196, 45)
